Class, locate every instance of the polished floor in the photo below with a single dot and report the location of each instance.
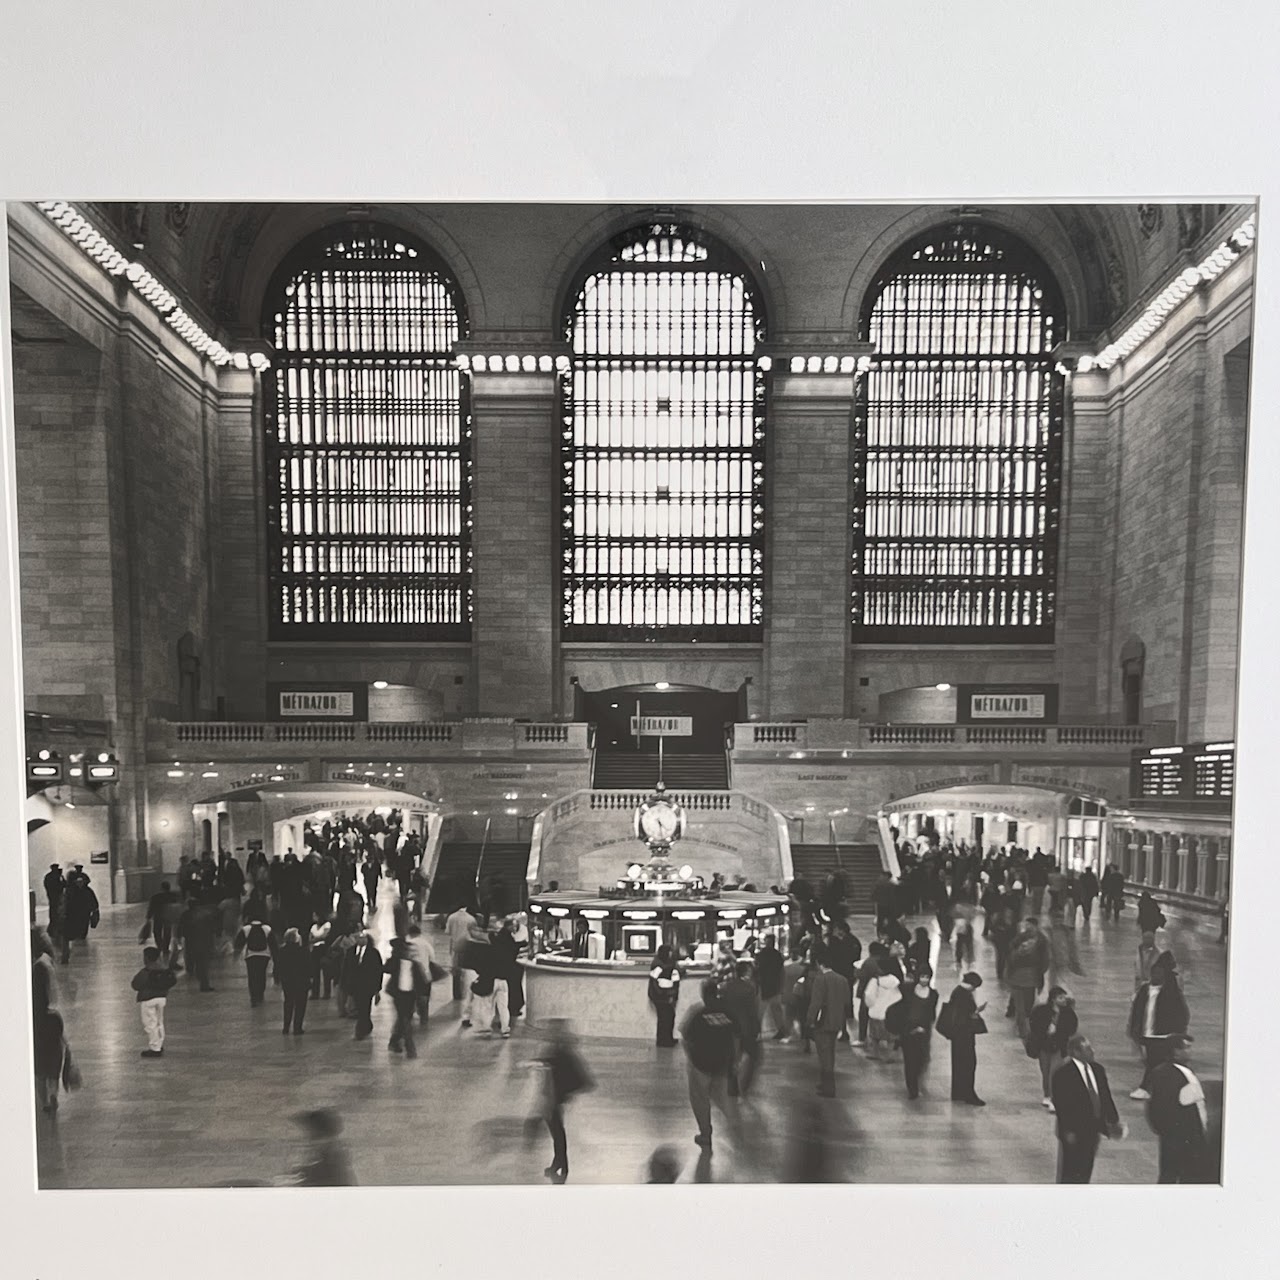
(216, 1109)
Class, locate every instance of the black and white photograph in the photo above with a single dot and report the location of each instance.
(678, 693)
(638, 638)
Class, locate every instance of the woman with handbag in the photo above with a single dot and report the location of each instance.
(961, 1023)
(1052, 1026)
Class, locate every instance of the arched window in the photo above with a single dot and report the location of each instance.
(958, 445)
(368, 443)
(663, 444)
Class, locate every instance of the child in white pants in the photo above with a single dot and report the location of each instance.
(152, 983)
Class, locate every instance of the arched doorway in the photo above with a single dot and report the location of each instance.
(1069, 826)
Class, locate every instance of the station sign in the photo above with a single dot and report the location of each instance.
(1007, 704)
(318, 701)
(662, 726)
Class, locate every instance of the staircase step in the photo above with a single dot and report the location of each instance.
(505, 862)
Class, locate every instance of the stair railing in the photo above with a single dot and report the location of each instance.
(484, 844)
(888, 850)
(728, 757)
(835, 843)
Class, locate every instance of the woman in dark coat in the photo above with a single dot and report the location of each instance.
(1052, 1025)
(52, 1059)
(911, 1020)
(965, 1020)
(293, 972)
(80, 913)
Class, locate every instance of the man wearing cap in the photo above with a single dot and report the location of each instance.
(1085, 1110)
(1178, 1116)
(54, 887)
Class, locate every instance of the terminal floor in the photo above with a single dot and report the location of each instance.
(216, 1109)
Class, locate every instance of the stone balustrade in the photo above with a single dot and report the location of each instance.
(224, 740)
(772, 739)
(1180, 868)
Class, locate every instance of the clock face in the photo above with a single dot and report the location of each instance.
(660, 822)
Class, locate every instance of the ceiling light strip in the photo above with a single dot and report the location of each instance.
(100, 250)
(1236, 245)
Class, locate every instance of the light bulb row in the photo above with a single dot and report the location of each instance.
(822, 364)
(1172, 297)
(98, 248)
(526, 363)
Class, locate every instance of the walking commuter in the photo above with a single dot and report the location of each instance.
(1086, 1112)
(461, 927)
(1150, 917)
(1024, 971)
(769, 975)
(741, 1001)
(1178, 1116)
(566, 1076)
(912, 1019)
(1159, 1015)
(318, 944)
(407, 979)
(1148, 952)
(830, 1001)
(293, 969)
(152, 983)
(1111, 887)
(195, 931)
(709, 1043)
(664, 995)
(1052, 1025)
(362, 982)
(258, 942)
(1087, 889)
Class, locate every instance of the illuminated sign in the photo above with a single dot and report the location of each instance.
(318, 701)
(662, 726)
(1008, 704)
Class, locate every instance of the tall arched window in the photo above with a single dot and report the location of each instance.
(663, 444)
(368, 443)
(958, 444)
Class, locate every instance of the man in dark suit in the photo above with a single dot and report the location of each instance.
(1179, 1117)
(1085, 1109)
(830, 1002)
(362, 982)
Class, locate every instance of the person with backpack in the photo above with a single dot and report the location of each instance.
(710, 1045)
(1150, 917)
(257, 940)
(1052, 1025)
(152, 983)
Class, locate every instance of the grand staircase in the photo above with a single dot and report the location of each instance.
(629, 771)
(859, 862)
(504, 864)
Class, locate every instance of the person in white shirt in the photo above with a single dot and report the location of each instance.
(1178, 1115)
(461, 927)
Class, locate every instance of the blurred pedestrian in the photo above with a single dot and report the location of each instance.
(830, 1003)
(566, 1076)
(293, 968)
(1178, 1116)
(328, 1165)
(707, 1034)
(961, 1022)
(1052, 1025)
(1159, 1014)
(911, 1019)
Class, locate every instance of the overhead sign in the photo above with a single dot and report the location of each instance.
(1008, 704)
(662, 726)
(100, 858)
(318, 701)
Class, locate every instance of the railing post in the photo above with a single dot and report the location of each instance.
(1184, 858)
(1224, 869)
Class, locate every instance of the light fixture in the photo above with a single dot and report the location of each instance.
(689, 915)
(640, 915)
(634, 871)
(662, 684)
(686, 872)
(98, 249)
(209, 773)
(379, 684)
(70, 804)
(943, 687)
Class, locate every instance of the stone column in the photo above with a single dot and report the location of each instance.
(808, 585)
(1202, 867)
(1148, 858)
(516, 498)
(1224, 869)
(240, 618)
(1184, 858)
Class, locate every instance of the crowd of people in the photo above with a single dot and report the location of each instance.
(826, 987)
(300, 923)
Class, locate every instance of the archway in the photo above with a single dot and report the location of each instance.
(1070, 826)
(687, 719)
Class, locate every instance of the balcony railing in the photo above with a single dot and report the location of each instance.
(240, 740)
(852, 735)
